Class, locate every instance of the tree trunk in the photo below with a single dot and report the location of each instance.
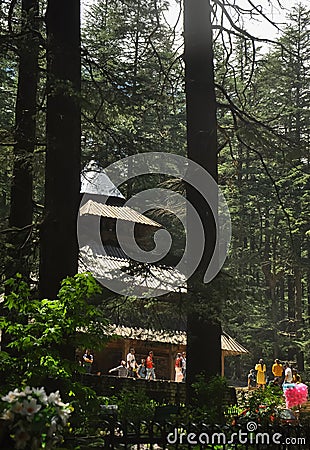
(271, 278)
(281, 295)
(59, 246)
(21, 207)
(203, 329)
(290, 297)
(308, 281)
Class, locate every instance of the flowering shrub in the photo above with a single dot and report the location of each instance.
(296, 395)
(34, 419)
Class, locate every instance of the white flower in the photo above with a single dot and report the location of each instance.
(62, 404)
(64, 414)
(29, 415)
(28, 390)
(8, 415)
(12, 396)
(30, 407)
(40, 393)
(17, 408)
(55, 398)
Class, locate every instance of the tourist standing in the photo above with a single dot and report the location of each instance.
(88, 360)
(184, 366)
(178, 368)
(150, 368)
(131, 363)
(277, 370)
(288, 376)
(261, 374)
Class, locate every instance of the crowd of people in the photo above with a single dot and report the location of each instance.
(131, 368)
(282, 373)
(146, 368)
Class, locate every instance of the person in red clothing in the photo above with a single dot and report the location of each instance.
(150, 368)
(178, 368)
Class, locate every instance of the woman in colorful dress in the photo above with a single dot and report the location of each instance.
(261, 374)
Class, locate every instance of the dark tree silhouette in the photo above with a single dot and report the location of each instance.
(21, 206)
(203, 330)
(59, 247)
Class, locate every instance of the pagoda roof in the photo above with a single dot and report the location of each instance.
(94, 208)
(107, 263)
(95, 181)
(229, 346)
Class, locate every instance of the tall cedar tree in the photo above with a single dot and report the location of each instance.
(59, 246)
(21, 206)
(203, 331)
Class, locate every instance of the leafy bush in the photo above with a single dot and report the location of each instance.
(261, 405)
(271, 397)
(209, 402)
(43, 334)
(210, 398)
(133, 405)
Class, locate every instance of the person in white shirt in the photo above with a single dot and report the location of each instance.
(131, 363)
(288, 376)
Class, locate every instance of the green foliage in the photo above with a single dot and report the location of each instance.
(208, 404)
(133, 100)
(132, 405)
(210, 398)
(43, 334)
(264, 173)
(262, 404)
(271, 396)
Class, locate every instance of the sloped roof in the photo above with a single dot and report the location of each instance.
(160, 279)
(116, 212)
(144, 334)
(95, 181)
(229, 345)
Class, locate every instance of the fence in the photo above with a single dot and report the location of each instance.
(167, 435)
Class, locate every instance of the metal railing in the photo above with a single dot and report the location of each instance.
(112, 434)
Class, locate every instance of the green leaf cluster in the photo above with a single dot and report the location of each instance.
(44, 334)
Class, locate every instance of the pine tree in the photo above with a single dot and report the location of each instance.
(203, 327)
(131, 81)
(21, 203)
(59, 246)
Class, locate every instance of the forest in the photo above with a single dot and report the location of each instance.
(112, 84)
